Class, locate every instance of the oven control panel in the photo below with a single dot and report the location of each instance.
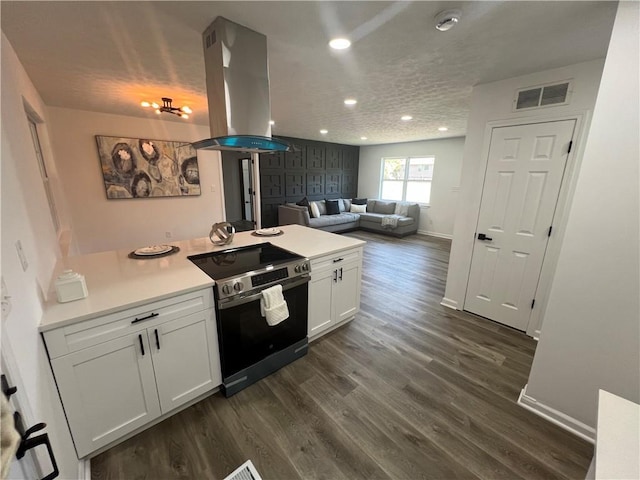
(301, 268)
(269, 277)
(254, 280)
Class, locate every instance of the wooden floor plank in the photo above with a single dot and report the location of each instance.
(400, 452)
(435, 403)
(349, 457)
(408, 389)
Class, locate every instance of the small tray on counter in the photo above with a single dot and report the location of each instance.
(153, 251)
(267, 232)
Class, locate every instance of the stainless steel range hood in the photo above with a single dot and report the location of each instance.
(237, 77)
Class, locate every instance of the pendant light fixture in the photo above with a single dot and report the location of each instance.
(167, 107)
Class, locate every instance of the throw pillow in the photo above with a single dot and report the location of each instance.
(402, 208)
(333, 208)
(386, 208)
(304, 203)
(347, 204)
(358, 208)
(315, 211)
(341, 205)
(322, 207)
(359, 201)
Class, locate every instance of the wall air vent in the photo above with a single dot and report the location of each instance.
(542, 96)
(210, 39)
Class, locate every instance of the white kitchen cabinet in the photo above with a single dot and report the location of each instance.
(164, 355)
(182, 358)
(107, 390)
(334, 290)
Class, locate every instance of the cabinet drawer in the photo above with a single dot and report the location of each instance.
(87, 333)
(335, 259)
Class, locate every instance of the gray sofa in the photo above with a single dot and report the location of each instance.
(391, 218)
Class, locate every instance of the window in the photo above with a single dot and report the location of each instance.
(407, 179)
(43, 171)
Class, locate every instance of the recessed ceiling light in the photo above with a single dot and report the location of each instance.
(443, 129)
(363, 138)
(339, 43)
(350, 101)
(271, 122)
(324, 132)
(406, 118)
(447, 20)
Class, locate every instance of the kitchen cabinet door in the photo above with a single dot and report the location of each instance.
(320, 306)
(334, 290)
(185, 358)
(107, 390)
(346, 294)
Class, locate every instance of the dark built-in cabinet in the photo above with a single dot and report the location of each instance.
(316, 170)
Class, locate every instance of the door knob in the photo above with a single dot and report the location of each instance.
(482, 236)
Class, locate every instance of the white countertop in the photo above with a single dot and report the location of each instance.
(116, 282)
(618, 438)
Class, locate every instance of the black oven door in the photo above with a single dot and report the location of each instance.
(246, 338)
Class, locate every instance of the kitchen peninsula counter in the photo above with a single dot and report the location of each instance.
(116, 282)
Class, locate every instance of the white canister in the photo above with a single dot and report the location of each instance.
(70, 286)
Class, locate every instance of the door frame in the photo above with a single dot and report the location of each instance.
(244, 189)
(560, 217)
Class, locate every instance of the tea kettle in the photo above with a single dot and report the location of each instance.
(222, 233)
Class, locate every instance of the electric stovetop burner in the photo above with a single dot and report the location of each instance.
(238, 261)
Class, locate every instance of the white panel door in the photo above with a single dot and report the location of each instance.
(524, 173)
(185, 358)
(108, 390)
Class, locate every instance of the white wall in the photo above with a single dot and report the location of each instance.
(99, 224)
(26, 217)
(591, 333)
(438, 218)
(491, 105)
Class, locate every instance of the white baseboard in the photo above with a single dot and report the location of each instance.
(447, 302)
(84, 469)
(557, 417)
(436, 234)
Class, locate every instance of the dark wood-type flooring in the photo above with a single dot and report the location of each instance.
(407, 390)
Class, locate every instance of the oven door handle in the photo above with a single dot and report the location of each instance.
(286, 285)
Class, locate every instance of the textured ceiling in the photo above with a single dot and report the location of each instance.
(109, 56)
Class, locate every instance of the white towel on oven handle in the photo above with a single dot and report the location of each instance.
(273, 306)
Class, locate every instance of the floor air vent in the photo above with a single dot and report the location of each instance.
(547, 95)
(246, 471)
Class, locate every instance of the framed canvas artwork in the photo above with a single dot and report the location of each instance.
(143, 168)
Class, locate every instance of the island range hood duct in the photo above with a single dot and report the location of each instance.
(237, 76)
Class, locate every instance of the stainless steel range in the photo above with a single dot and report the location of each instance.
(250, 348)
